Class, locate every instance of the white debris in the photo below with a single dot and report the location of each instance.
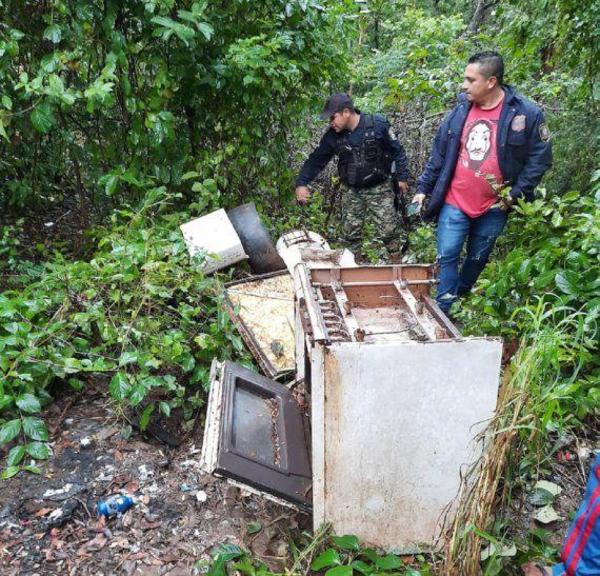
(64, 490)
(201, 496)
(190, 464)
(145, 472)
(86, 442)
(152, 488)
(56, 514)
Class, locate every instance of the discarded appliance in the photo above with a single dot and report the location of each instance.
(214, 235)
(312, 249)
(262, 308)
(255, 433)
(255, 239)
(397, 400)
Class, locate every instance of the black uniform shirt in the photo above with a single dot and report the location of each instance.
(327, 147)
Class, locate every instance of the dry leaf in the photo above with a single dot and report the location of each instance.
(546, 515)
(551, 487)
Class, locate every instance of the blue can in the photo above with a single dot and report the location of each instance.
(114, 505)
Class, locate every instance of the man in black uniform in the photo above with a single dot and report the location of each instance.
(367, 148)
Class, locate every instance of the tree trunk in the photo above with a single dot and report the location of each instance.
(477, 18)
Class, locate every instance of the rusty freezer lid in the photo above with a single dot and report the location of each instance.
(255, 435)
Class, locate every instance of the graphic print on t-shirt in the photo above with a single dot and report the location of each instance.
(470, 189)
(478, 144)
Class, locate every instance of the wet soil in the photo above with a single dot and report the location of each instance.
(568, 465)
(48, 523)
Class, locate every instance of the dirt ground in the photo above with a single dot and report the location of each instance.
(568, 467)
(48, 523)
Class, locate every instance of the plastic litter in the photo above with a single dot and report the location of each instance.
(115, 505)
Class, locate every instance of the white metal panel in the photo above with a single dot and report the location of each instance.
(317, 413)
(312, 249)
(396, 422)
(215, 235)
(212, 425)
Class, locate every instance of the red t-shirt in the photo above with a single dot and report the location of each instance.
(469, 189)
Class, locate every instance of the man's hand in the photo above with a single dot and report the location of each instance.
(506, 203)
(403, 186)
(302, 194)
(419, 199)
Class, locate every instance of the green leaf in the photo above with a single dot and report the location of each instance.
(28, 403)
(37, 450)
(128, 358)
(42, 118)
(348, 542)
(3, 130)
(362, 567)
(563, 284)
(389, 562)
(119, 386)
(15, 455)
(53, 33)
(165, 408)
(7, 102)
(339, 571)
(10, 430)
(10, 472)
(145, 417)
(138, 393)
(76, 384)
(329, 557)
(110, 184)
(205, 29)
(253, 527)
(32, 469)
(5, 400)
(35, 428)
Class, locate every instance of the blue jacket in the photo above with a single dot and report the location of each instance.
(580, 554)
(524, 152)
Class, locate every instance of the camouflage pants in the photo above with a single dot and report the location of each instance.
(376, 205)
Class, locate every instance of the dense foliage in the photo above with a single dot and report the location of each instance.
(107, 97)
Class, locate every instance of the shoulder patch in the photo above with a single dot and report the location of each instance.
(544, 132)
(518, 123)
(392, 134)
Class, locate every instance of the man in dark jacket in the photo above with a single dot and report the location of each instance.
(491, 150)
(367, 148)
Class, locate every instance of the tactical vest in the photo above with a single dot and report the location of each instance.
(366, 164)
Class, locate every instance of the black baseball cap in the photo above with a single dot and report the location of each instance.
(336, 103)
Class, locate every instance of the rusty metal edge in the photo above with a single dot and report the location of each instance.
(437, 313)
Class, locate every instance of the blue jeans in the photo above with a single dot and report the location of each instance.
(454, 227)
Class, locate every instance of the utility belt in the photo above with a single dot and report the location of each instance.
(376, 180)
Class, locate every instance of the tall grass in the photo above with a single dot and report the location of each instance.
(540, 393)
